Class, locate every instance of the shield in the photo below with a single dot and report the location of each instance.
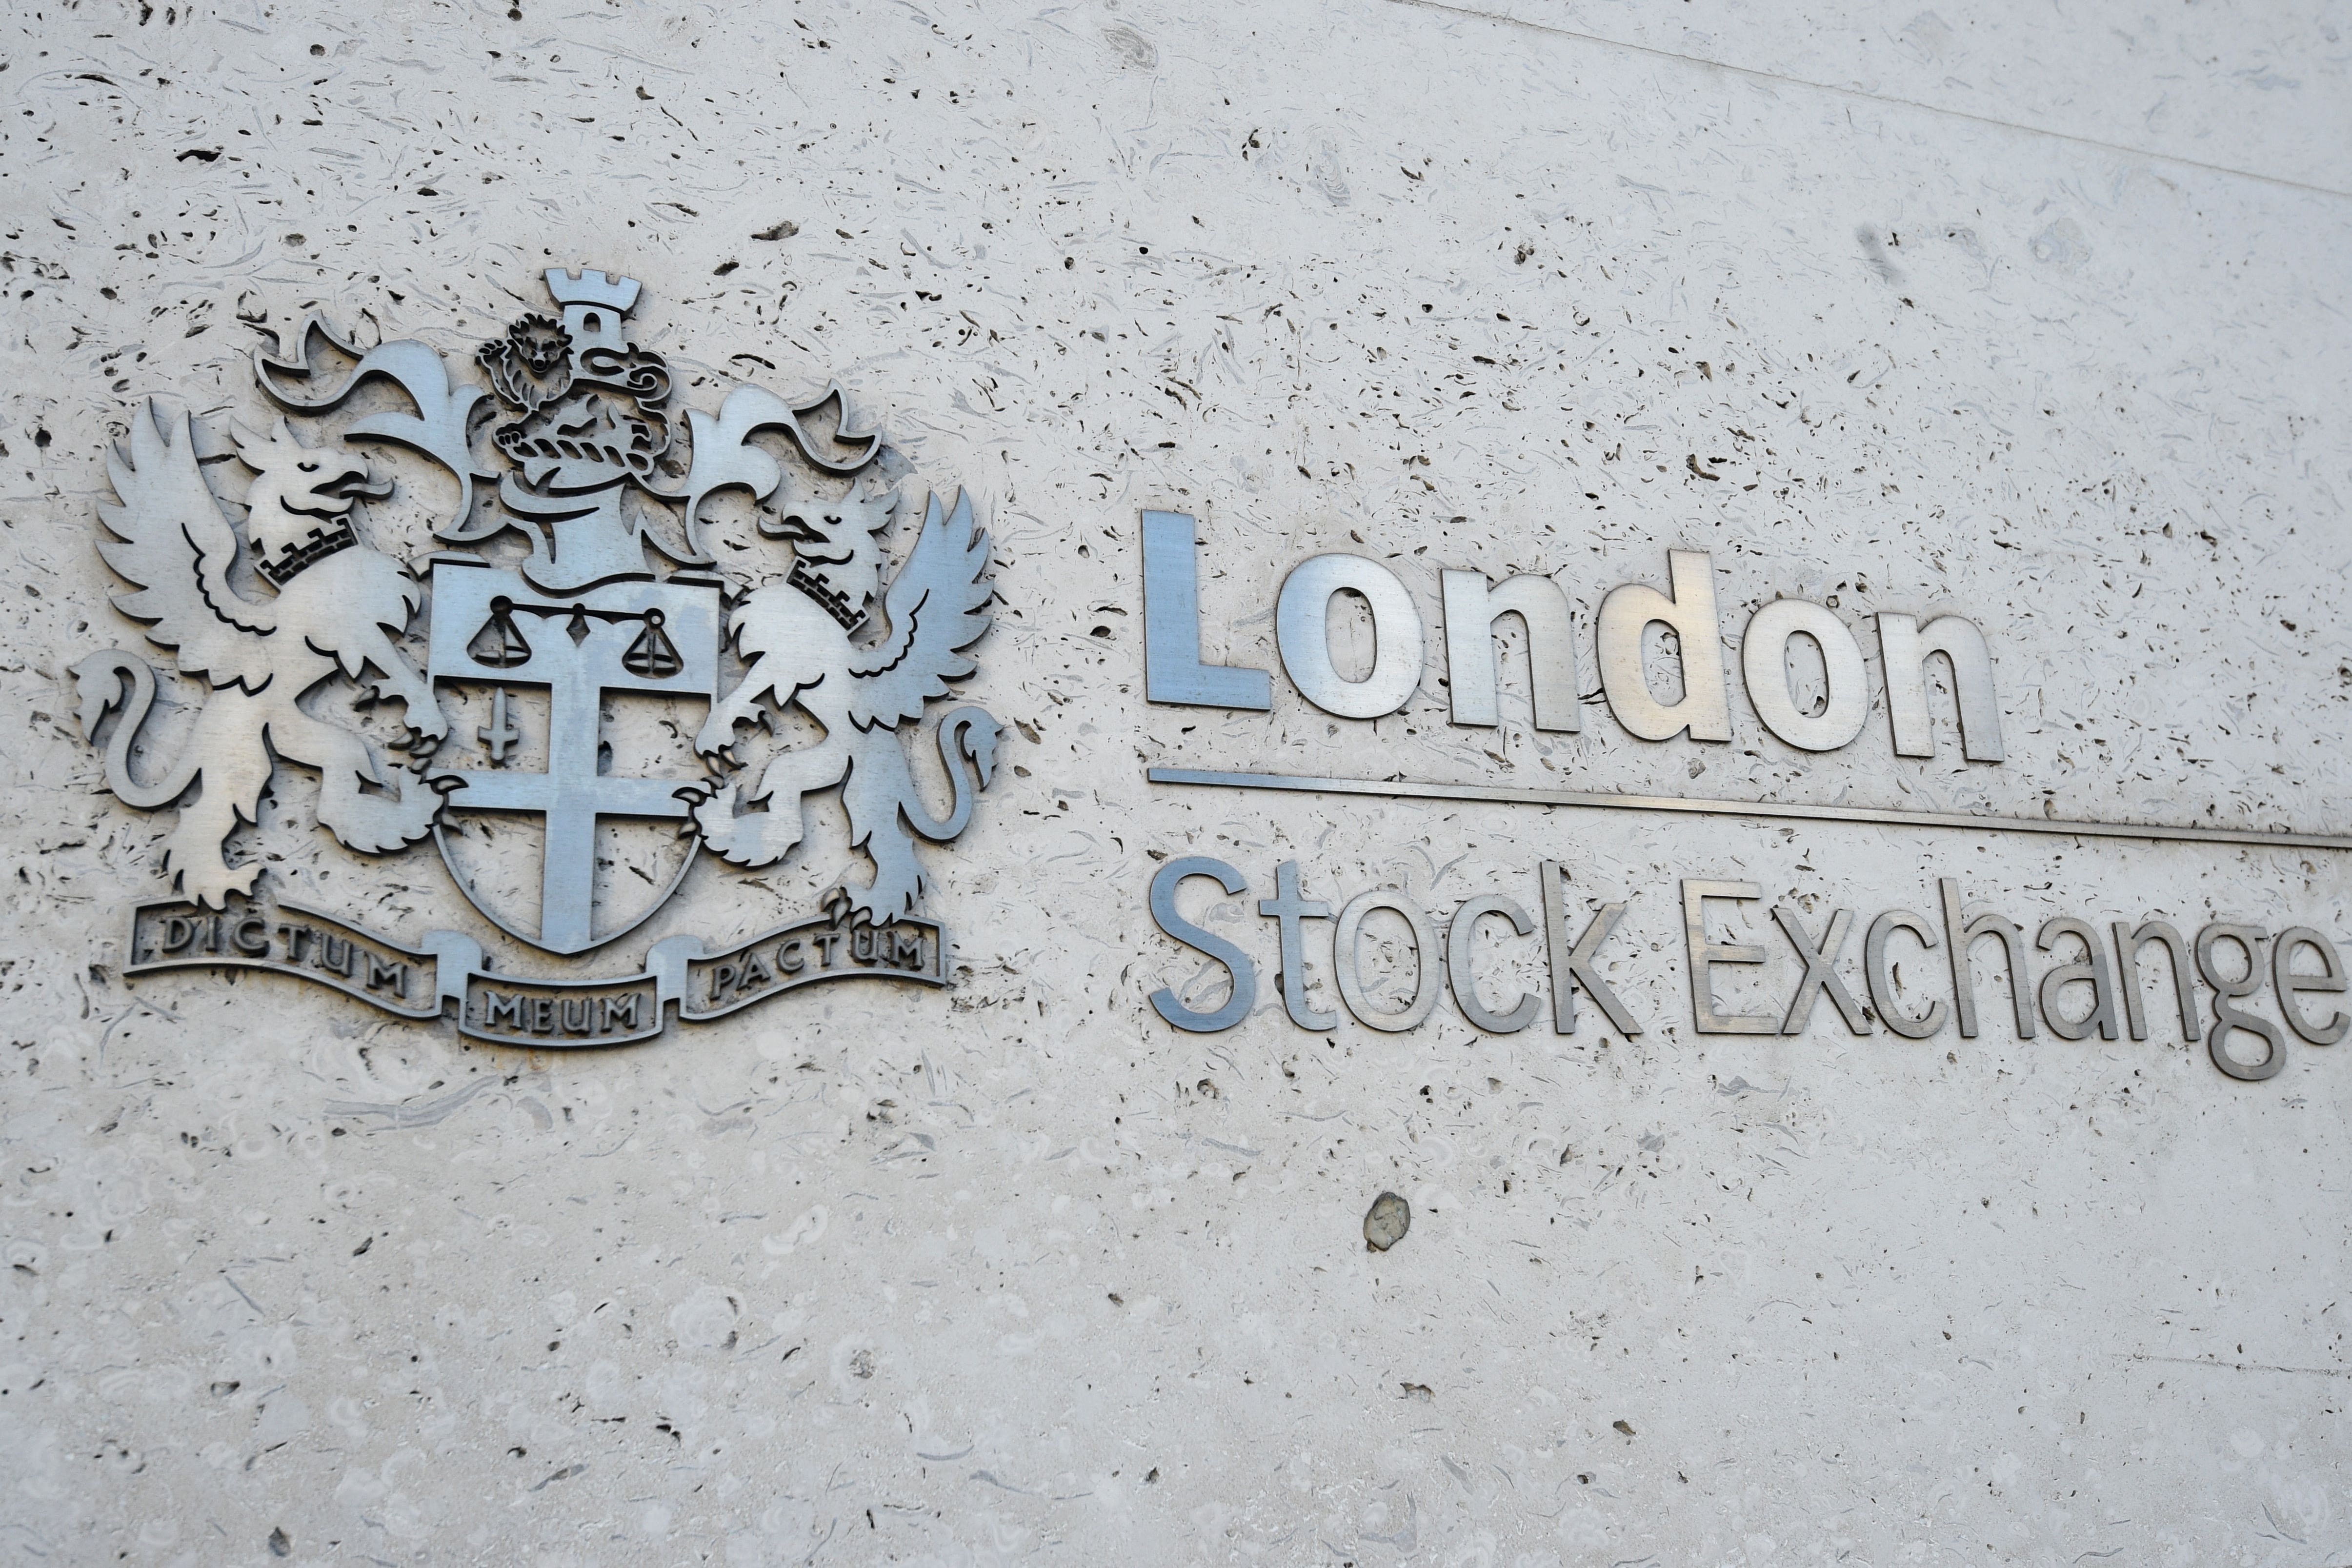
(549, 677)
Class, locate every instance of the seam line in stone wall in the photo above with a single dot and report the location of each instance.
(1866, 96)
(1402, 789)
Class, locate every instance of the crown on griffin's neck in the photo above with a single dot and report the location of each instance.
(329, 538)
(837, 560)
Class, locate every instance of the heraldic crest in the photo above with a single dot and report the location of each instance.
(577, 575)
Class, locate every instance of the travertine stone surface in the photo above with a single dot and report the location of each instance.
(1014, 1272)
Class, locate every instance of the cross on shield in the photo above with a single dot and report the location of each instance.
(492, 629)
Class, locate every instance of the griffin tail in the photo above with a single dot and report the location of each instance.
(115, 680)
(967, 738)
(881, 795)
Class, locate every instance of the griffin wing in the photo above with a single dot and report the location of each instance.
(936, 607)
(174, 544)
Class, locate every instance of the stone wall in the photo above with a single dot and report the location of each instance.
(2036, 320)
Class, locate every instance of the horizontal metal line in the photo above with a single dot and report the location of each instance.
(1304, 784)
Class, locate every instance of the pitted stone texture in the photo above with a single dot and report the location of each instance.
(987, 1276)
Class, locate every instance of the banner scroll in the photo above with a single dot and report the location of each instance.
(286, 937)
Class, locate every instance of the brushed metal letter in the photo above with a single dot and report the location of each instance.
(2287, 983)
(1705, 954)
(1461, 937)
(1764, 664)
(1626, 614)
(1173, 670)
(1962, 936)
(1472, 608)
(1819, 975)
(1343, 962)
(1302, 633)
(1244, 994)
(1574, 966)
(2226, 1016)
(1905, 646)
(2093, 969)
(1287, 910)
(1880, 974)
(2127, 945)
(382, 973)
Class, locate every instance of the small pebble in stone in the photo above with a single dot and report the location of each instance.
(1386, 1221)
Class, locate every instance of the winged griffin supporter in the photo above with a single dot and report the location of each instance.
(798, 639)
(331, 603)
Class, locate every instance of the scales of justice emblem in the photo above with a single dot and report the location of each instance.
(577, 576)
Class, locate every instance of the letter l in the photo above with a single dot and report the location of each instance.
(1173, 670)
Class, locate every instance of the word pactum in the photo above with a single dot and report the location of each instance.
(1905, 996)
(1174, 673)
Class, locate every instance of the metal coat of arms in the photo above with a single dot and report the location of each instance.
(547, 612)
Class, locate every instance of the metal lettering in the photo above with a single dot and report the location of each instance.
(1461, 937)
(177, 930)
(828, 941)
(574, 1014)
(1819, 976)
(1302, 634)
(617, 1013)
(755, 974)
(1764, 665)
(1472, 608)
(1578, 966)
(1173, 670)
(1288, 910)
(542, 1014)
(496, 1007)
(907, 949)
(2127, 945)
(1426, 982)
(2227, 1018)
(1704, 954)
(1626, 616)
(1242, 994)
(722, 980)
(1880, 974)
(1905, 647)
(338, 955)
(1962, 936)
(788, 959)
(2287, 982)
(381, 974)
(250, 936)
(2094, 970)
